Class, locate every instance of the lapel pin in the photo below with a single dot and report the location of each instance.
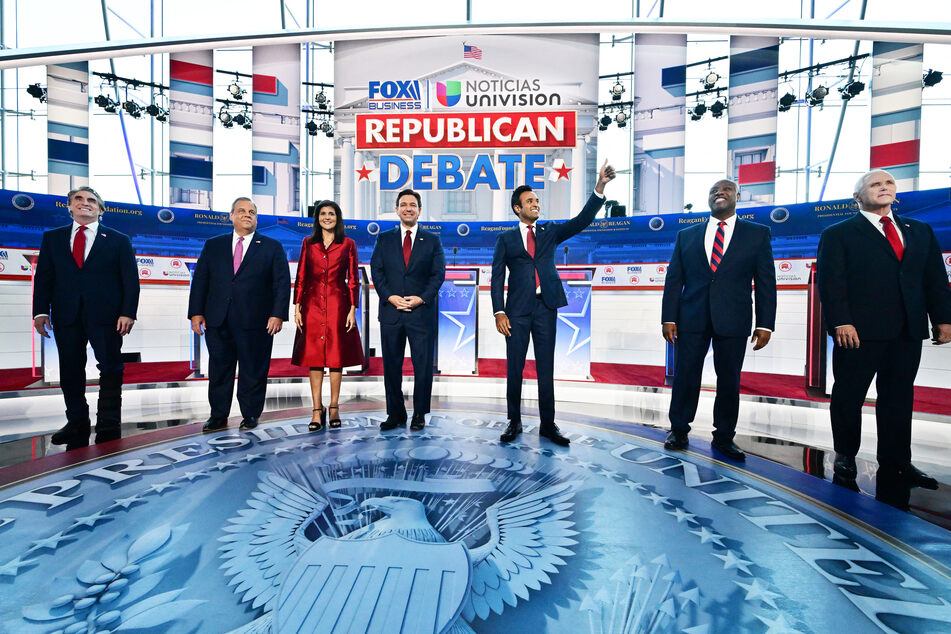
(257, 242)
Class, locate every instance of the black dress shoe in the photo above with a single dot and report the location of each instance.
(845, 482)
(392, 422)
(512, 431)
(249, 422)
(418, 422)
(729, 449)
(105, 435)
(844, 466)
(913, 477)
(72, 434)
(676, 441)
(554, 434)
(214, 424)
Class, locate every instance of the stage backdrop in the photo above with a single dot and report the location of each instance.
(67, 125)
(464, 121)
(627, 253)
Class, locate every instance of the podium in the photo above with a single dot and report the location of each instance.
(573, 334)
(363, 320)
(457, 335)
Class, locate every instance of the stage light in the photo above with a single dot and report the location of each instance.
(816, 95)
(134, 109)
(325, 126)
(330, 132)
(160, 114)
(240, 119)
(621, 119)
(698, 111)
(311, 127)
(321, 100)
(247, 121)
(236, 91)
(36, 91)
(931, 78)
(851, 89)
(710, 80)
(106, 103)
(225, 117)
(717, 109)
(605, 121)
(786, 101)
(617, 91)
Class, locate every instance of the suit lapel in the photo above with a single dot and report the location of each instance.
(418, 244)
(865, 227)
(250, 251)
(99, 244)
(910, 243)
(697, 248)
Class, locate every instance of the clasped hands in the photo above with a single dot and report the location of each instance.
(407, 303)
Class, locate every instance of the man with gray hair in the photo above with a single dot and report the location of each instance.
(880, 279)
(239, 300)
(86, 289)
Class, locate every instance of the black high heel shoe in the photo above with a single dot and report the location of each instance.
(317, 425)
(335, 422)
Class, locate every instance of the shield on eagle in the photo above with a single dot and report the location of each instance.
(383, 584)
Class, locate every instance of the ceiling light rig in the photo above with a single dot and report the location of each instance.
(37, 92)
(321, 121)
(786, 102)
(816, 96)
(851, 89)
(156, 105)
(717, 109)
(617, 90)
(931, 78)
(696, 113)
(710, 80)
(617, 111)
(321, 98)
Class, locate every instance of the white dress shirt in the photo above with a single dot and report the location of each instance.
(710, 236)
(91, 230)
(412, 234)
(244, 245)
(876, 221)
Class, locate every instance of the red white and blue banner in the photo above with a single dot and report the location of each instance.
(67, 126)
(190, 130)
(275, 133)
(463, 121)
(659, 122)
(751, 132)
(896, 111)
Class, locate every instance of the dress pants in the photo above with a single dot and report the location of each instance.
(540, 325)
(107, 346)
(896, 363)
(728, 353)
(230, 345)
(421, 334)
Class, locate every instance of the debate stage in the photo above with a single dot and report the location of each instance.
(280, 529)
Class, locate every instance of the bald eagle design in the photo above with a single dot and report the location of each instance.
(294, 554)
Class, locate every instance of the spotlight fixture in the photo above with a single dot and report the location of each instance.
(134, 109)
(621, 119)
(160, 114)
(605, 121)
(717, 109)
(786, 101)
(311, 127)
(36, 91)
(225, 117)
(106, 103)
(698, 111)
(851, 89)
(240, 119)
(247, 121)
(325, 127)
(236, 91)
(931, 78)
(710, 79)
(815, 96)
(617, 90)
(321, 99)
(330, 133)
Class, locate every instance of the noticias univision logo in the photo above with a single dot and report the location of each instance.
(448, 93)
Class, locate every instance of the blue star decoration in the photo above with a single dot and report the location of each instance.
(452, 315)
(575, 321)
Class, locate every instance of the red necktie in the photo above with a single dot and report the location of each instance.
(79, 246)
(893, 238)
(407, 248)
(717, 254)
(530, 241)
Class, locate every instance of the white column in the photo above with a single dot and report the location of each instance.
(578, 194)
(346, 180)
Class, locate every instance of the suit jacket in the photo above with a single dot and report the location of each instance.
(861, 281)
(696, 298)
(261, 288)
(422, 277)
(510, 252)
(106, 288)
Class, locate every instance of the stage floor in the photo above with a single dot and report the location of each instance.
(357, 530)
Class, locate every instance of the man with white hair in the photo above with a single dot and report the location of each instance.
(881, 278)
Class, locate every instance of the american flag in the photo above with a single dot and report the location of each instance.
(471, 52)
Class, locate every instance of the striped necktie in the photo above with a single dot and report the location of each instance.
(717, 254)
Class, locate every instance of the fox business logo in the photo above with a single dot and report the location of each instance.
(608, 278)
(145, 261)
(4, 255)
(395, 95)
(634, 269)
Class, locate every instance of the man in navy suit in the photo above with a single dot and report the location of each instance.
(87, 285)
(408, 267)
(530, 311)
(239, 300)
(707, 298)
(880, 278)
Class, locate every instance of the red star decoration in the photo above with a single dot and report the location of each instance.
(563, 171)
(364, 172)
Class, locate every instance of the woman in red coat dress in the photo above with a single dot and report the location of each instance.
(325, 303)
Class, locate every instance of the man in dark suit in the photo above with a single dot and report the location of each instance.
(408, 267)
(530, 311)
(239, 300)
(707, 298)
(87, 285)
(880, 278)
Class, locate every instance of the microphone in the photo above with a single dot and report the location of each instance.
(454, 250)
(566, 256)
